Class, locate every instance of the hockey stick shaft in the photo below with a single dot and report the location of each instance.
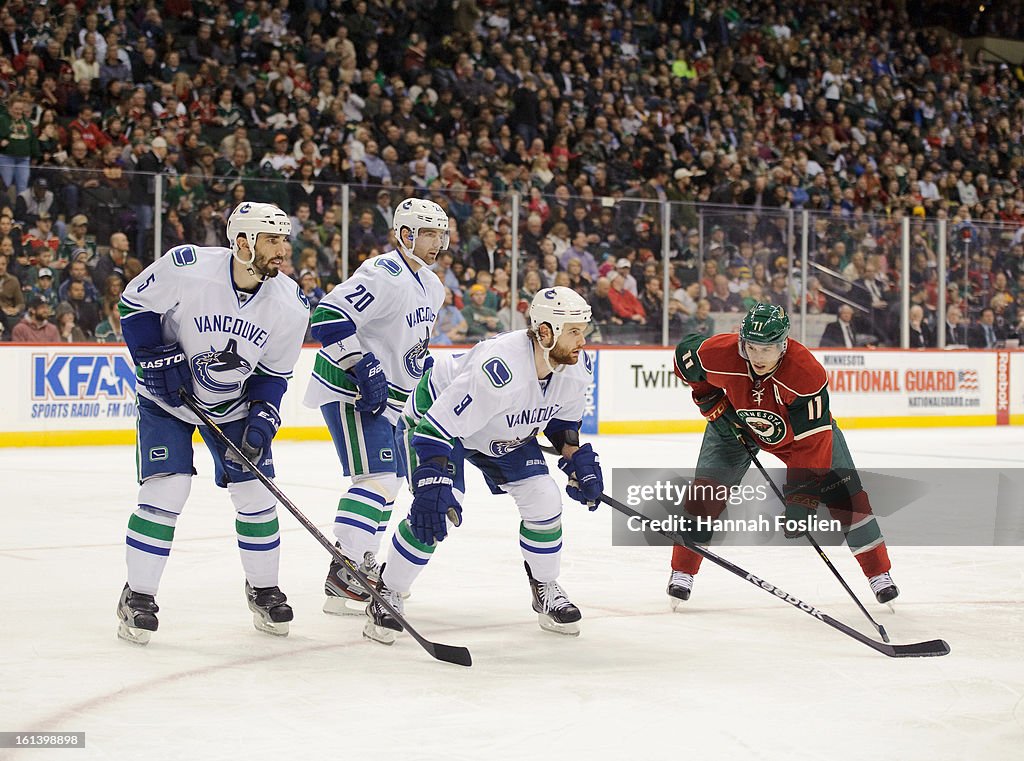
(446, 653)
(814, 542)
(920, 649)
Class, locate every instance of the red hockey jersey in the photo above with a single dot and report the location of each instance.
(787, 411)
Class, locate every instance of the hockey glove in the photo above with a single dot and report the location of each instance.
(433, 500)
(260, 428)
(721, 416)
(373, 386)
(586, 481)
(165, 369)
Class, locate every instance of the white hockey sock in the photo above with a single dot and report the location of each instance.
(149, 537)
(259, 535)
(407, 557)
(363, 514)
(151, 529)
(541, 543)
(259, 544)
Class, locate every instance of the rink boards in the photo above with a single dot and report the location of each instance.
(85, 394)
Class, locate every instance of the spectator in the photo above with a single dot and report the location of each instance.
(722, 298)
(481, 321)
(87, 313)
(12, 302)
(627, 307)
(109, 331)
(43, 288)
(112, 261)
(841, 332)
(986, 334)
(18, 144)
(450, 326)
(956, 331)
(702, 322)
(35, 326)
(67, 330)
(921, 335)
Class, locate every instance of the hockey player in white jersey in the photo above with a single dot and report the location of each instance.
(220, 324)
(487, 406)
(374, 328)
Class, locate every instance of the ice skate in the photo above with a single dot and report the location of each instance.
(137, 616)
(381, 626)
(679, 587)
(555, 612)
(345, 595)
(884, 588)
(270, 609)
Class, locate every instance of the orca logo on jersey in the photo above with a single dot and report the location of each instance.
(502, 448)
(216, 370)
(766, 425)
(415, 357)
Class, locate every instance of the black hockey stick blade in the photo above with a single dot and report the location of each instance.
(931, 648)
(445, 653)
(450, 653)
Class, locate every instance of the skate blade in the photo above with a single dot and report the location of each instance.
(269, 627)
(132, 634)
(569, 630)
(891, 605)
(674, 603)
(380, 634)
(344, 606)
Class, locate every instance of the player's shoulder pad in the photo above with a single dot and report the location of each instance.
(800, 371)
(289, 295)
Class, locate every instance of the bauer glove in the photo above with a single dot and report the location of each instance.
(586, 482)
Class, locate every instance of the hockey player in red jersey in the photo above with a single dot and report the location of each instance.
(762, 385)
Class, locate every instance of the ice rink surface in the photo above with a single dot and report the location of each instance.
(736, 675)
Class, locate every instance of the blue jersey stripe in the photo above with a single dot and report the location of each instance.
(414, 559)
(259, 547)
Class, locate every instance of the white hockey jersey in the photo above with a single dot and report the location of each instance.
(491, 399)
(226, 341)
(393, 309)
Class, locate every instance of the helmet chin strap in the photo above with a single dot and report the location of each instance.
(408, 252)
(546, 353)
(248, 264)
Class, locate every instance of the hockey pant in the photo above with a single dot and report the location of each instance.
(725, 461)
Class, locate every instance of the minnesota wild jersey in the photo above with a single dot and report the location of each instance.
(490, 397)
(228, 335)
(393, 310)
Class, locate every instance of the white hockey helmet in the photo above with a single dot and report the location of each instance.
(557, 306)
(417, 214)
(250, 219)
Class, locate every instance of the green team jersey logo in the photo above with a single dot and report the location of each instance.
(768, 426)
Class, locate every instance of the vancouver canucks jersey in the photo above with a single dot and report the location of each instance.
(227, 339)
(393, 310)
(490, 397)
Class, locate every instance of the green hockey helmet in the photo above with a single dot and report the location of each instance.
(764, 324)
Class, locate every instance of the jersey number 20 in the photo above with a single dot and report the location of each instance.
(360, 298)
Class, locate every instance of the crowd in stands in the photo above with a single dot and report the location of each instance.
(740, 114)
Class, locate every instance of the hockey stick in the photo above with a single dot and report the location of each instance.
(814, 542)
(917, 650)
(447, 653)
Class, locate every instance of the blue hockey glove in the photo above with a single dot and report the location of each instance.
(165, 369)
(586, 481)
(432, 502)
(260, 428)
(373, 386)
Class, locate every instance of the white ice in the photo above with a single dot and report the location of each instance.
(738, 674)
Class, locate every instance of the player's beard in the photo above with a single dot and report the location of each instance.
(264, 268)
(563, 356)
